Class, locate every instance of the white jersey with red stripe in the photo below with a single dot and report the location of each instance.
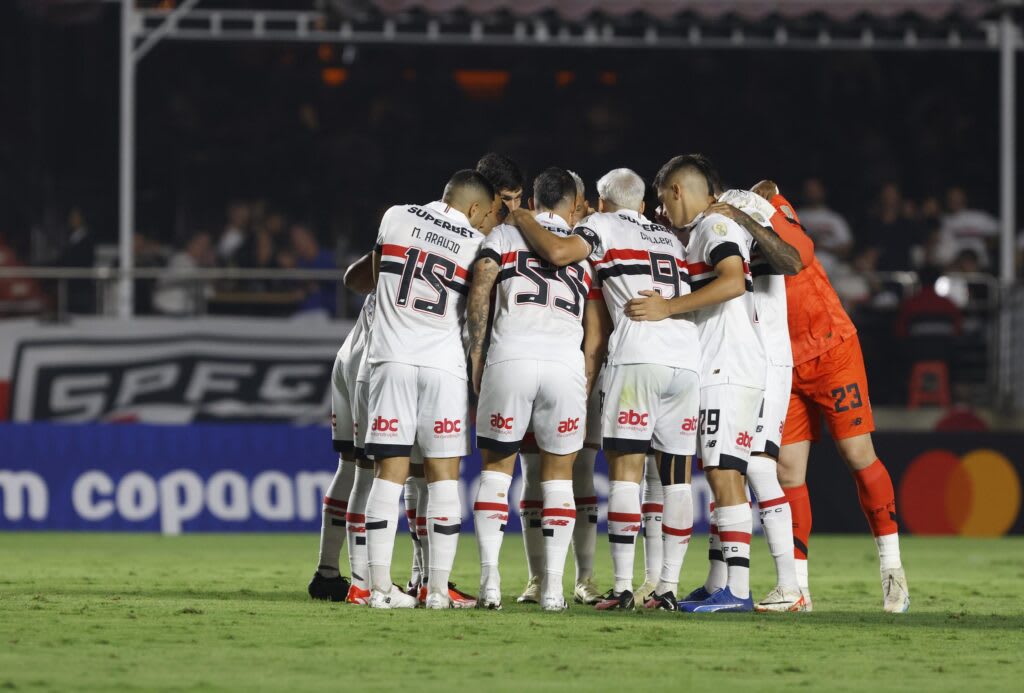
(732, 345)
(539, 307)
(630, 254)
(426, 252)
(769, 284)
(366, 319)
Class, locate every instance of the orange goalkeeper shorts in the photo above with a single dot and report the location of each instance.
(833, 385)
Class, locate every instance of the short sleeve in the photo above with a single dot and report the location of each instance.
(492, 247)
(385, 224)
(591, 237)
(720, 238)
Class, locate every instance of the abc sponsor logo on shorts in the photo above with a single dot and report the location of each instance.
(569, 426)
(633, 419)
(744, 440)
(501, 423)
(974, 494)
(385, 426)
(447, 427)
(690, 425)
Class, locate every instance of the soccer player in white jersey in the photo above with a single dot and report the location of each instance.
(418, 382)
(733, 361)
(534, 369)
(650, 385)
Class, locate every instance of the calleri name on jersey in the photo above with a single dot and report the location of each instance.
(426, 252)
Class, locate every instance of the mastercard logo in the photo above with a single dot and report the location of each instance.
(977, 494)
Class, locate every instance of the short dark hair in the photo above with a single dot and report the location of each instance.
(552, 186)
(468, 179)
(694, 162)
(501, 171)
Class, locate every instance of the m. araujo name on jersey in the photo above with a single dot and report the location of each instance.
(426, 255)
(769, 284)
(539, 307)
(732, 346)
(631, 254)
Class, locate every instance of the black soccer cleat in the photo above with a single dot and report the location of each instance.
(662, 602)
(328, 589)
(623, 601)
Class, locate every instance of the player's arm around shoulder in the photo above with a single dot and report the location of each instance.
(782, 256)
(359, 276)
(556, 249)
(478, 308)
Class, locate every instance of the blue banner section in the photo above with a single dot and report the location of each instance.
(193, 478)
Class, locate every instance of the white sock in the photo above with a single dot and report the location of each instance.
(444, 520)
(889, 551)
(623, 526)
(652, 509)
(332, 526)
(381, 523)
(776, 517)
(530, 508)
(490, 515)
(802, 577)
(735, 523)
(356, 526)
(558, 522)
(584, 533)
(717, 573)
(411, 494)
(423, 548)
(677, 526)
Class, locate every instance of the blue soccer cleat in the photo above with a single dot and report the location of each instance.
(695, 597)
(722, 600)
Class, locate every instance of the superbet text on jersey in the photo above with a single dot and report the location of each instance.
(418, 389)
(534, 362)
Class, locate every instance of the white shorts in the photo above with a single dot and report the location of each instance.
(415, 404)
(342, 417)
(360, 416)
(728, 419)
(550, 393)
(768, 436)
(650, 406)
(593, 439)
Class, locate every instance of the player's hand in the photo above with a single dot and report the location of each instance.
(766, 189)
(725, 209)
(514, 215)
(651, 307)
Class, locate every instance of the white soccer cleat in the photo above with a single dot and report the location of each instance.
(395, 599)
(530, 595)
(586, 592)
(645, 591)
(895, 593)
(438, 601)
(490, 598)
(806, 593)
(780, 599)
(553, 603)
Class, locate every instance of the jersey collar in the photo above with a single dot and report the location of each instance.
(443, 208)
(552, 219)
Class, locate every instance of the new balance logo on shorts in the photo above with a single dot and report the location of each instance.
(447, 426)
(386, 425)
(632, 418)
(569, 425)
(744, 439)
(500, 423)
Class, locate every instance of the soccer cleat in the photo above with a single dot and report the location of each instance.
(622, 601)
(805, 592)
(722, 600)
(664, 602)
(395, 598)
(490, 598)
(412, 588)
(334, 589)
(696, 596)
(421, 596)
(530, 595)
(646, 591)
(895, 593)
(438, 601)
(358, 596)
(553, 603)
(586, 592)
(780, 599)
(459, 599)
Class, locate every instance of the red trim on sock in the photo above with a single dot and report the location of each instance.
(355, 517)
(712, 529)
(623, 517)
(559, 512)
(530, 504)
(421, 520)
(343, 504)
(410, 515)
(711, 506)
(772, 503)
(586, 500)
(734, 537)
(652, 508)
(673, 532)
(500, 507)
(332, 511)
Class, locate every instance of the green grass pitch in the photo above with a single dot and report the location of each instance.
(123, 612)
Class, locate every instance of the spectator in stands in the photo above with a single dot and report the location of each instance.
(178, 292)
(929, 216)
(832, 238)
(928, 325)
(79, 251)
(235, 234)
(319, 296)
(892, 229)
(966, 229)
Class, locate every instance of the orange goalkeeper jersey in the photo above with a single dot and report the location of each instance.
(817, 320)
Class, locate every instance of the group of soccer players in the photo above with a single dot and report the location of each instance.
(711, 332)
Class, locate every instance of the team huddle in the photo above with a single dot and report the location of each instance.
(710, 334)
